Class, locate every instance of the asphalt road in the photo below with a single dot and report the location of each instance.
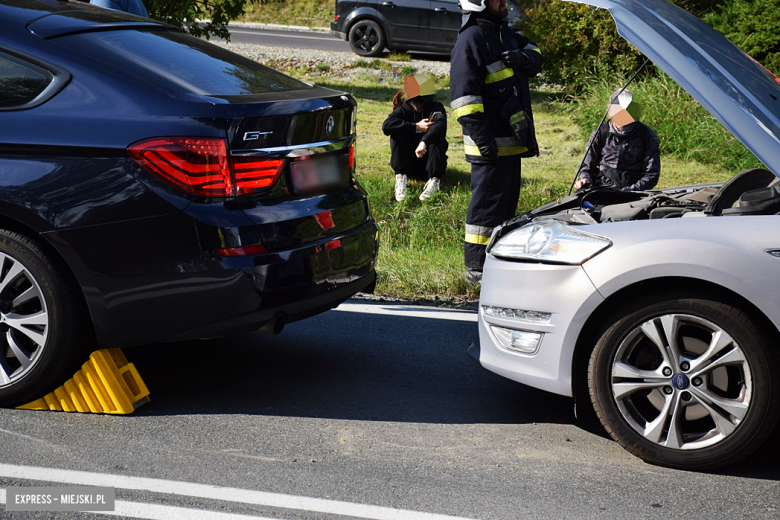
(369, 411)
(294, 39)
(323, 41)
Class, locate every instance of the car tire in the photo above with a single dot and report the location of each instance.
(366, 38)
(686, 382)
(42, 321)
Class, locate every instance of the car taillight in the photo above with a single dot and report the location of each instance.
(196, 165)
(201, 166)
(243, 251)
(352, 156)
(254, 173)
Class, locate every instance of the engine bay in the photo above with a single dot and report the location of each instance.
(752, 192)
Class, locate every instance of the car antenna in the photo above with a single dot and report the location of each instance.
(606, 113)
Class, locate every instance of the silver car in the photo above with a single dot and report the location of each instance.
(661, 308)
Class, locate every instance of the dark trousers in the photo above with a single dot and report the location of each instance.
(495, 191)
(403, 159)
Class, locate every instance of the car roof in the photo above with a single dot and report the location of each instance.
(732, 86)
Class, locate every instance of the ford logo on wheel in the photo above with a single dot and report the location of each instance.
(680, 381)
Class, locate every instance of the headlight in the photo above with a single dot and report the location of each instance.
(549, 241)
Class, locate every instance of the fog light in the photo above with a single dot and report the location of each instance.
(517, 314)
(518, 340)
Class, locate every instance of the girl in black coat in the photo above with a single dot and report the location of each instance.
(417, 128)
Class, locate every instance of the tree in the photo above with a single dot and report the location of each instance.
(184, 13)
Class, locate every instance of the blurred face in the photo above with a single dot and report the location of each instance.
(624, 110)
(497, 9)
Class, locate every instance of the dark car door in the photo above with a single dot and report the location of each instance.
(408, 21)
(445, 23)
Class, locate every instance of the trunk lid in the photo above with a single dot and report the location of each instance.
(313, 132)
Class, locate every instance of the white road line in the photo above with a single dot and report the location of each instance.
(414, 311)
(244, 496)
(287, 36)
(157, 512)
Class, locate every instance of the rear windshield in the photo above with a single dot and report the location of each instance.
(180, 61)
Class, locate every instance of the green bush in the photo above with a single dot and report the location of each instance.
(754, 26)
(308, 13)
(685, 129)
(579, 41)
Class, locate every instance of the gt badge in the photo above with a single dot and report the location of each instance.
(254, 136)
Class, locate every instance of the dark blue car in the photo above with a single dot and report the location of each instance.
(156, 188)
(370, 26)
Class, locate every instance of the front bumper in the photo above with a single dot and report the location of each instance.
(564, 291)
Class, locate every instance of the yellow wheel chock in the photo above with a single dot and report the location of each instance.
(106, 383)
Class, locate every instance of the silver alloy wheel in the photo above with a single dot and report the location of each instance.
(24, 320)
(681, 381)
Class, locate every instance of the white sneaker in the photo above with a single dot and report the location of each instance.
(400, 186)
(431, 187)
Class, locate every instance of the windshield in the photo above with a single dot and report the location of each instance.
(179, 61)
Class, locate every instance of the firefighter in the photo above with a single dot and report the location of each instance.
(490, 98)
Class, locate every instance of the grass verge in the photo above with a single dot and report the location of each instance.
(685, 129)
(311, 13)
(421, 252)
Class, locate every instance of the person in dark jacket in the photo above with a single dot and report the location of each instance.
(490, 97)
(128, 6)
(625, 154)
(417, 128)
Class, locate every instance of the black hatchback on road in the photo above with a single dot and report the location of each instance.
(370, 26)
(155, 187)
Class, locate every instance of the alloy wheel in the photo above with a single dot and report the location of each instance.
(24, 320)
(681, 382)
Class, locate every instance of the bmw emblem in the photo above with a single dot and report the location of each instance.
(329, 125)
(680, 381)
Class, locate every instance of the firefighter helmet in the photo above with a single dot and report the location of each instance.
(473, 6)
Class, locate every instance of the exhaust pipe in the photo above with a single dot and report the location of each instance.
(275, 326)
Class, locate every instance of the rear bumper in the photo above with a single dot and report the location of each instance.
(334, 30)
(292, 311)
(153, 281)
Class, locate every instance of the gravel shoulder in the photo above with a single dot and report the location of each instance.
(333, 64)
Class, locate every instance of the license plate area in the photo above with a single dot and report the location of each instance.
(311, 175)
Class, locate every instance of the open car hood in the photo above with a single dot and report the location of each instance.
(733, 87)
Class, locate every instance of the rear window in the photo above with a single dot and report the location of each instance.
(180, 61)
(20, 82)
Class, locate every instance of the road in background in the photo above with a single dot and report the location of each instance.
(351, 414)
(319, 40)
(294, 39)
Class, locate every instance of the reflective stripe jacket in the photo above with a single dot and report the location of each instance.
(481, 84)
